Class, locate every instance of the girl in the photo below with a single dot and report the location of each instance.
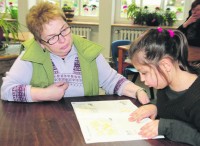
(160, 56)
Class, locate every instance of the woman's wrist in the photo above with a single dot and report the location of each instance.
(139, 90)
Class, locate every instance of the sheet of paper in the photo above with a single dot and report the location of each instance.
(106, 121)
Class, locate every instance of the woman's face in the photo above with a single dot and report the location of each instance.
(196, 11)
(149, 74)
(56, 37)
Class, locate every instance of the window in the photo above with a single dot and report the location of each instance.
(8, 4)
(88, 8)
(174, 5)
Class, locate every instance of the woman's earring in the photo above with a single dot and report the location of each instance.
(44, 50)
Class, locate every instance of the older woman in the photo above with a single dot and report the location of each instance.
(57, 64)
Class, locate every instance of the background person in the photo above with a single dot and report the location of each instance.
(191, 26)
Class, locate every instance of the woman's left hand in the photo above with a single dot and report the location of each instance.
(150, 130)
(130, 90)
(143, 97)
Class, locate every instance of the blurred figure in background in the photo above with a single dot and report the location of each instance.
(191, 27)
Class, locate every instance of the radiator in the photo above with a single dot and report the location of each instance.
(82, 31)
(128, 34)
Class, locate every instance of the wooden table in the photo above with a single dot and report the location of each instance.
(193, 55)
(54, 124)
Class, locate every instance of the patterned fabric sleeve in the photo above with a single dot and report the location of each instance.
(19, 93)
(16, 84)
(109, 79)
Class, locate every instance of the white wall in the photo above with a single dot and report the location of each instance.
(106, 19)
(23, 8)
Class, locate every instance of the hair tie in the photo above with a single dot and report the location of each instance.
(171, 33)
(159, 29)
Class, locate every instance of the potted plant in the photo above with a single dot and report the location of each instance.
(6, 28)
(170, 17)
(13, 10)
(158, 17)
(137, 14)
(131, 11)
(69, 12)
(155, 18)
(143, 16)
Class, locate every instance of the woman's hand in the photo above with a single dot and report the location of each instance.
(150, 130)
(56, 91)
(53, 92)
(132, 90)
(143, 97)
(145, 111)
(191, 20)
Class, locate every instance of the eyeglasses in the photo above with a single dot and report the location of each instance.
(55, 38)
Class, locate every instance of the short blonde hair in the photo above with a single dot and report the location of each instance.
(41, 14)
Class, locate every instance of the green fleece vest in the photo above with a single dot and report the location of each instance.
(43, 75)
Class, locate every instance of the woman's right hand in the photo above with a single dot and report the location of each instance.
(56, 91)
(53, 92)
(142, 112)
(191, 20)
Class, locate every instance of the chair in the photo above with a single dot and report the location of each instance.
(131, 70)
(114, 50)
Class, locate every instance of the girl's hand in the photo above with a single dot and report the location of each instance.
(142, 112)
(150, 130)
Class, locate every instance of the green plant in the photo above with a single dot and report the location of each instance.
(69, 12)
(132, 11)
(137, 14)
(170, 17)
(144, 16)
(179, 9)
(139, 17)
(13, 10)
(155, 18)
(66, 8)
(7, 27)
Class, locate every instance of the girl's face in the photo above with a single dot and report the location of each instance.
(149, 74)
(56, 37)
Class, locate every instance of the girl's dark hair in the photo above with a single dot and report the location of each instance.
(158, 44)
